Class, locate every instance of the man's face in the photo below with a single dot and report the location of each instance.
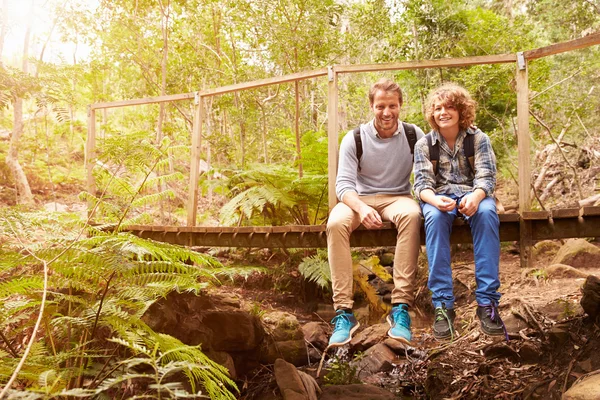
(386, 108)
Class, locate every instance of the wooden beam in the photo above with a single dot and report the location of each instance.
(587, 41)
(444, 62)
(90, 151)
(524, 166)
(147, 100)
(192, 204)
(332, 135)
(265, 82)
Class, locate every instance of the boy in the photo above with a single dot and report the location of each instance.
(455, 188)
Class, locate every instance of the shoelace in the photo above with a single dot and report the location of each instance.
(400, 317)
(441, 314)
(340, 320)
(492, 311)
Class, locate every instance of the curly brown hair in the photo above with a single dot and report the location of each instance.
(452, 94)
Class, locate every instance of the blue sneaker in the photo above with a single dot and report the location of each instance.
(399, 321)
(344, 325)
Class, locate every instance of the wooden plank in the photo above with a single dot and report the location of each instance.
(509, 217)
(147, 100)
(265, 82)
(90, 153)
(332, 135)
(192, 202)
(590, 211)
(443, 62)
(587, 41)
(524, 162)
(535, 215)
(565, 213)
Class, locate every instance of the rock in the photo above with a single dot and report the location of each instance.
(586, 389)
(514, 324)
(530, 352)
(558, 335)
(564, 271)
(316, 334)
(369, 337)
(56, 207)
(378, 358)
(578, 253)
(501, 350)
(545, 249)
(355, 392)
(225, 359)
(289, 381)
(560, 309)
(590, 301)
(381, 288)
(285, 339)
(386, 259)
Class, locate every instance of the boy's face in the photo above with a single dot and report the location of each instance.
(445, 115)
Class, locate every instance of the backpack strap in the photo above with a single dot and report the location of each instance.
(434, 153)
(469, 150)
(358, 141)
(411, 136)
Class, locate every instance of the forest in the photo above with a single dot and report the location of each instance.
(79, 295)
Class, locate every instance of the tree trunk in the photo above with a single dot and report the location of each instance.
(24, 195)
(165, 11)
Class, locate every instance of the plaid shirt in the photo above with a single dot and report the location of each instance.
(455, 176)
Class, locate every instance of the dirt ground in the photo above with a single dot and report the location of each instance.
(554, 345)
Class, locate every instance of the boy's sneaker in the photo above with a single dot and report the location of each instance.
(399, 321)
(443, 324)
(344, 325)
(491, 323)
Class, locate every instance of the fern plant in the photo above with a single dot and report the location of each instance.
(274, 195)
(315, 268)
(98, 289)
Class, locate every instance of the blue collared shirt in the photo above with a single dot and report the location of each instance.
(455, 176)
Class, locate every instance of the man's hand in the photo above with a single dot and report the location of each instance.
(469, 204)
(369, 217)
(444, 203)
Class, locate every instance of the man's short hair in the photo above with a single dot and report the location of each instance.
(455, 95)
(387, 86)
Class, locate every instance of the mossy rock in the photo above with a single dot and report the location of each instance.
(578, 253)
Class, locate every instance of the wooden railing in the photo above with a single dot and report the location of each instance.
(526, 236)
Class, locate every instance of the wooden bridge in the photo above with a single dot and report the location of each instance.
(556, 224)
(526, 227)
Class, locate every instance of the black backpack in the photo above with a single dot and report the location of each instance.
(468, 150)
(409, 131)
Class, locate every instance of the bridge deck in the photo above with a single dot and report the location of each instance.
(555, 224)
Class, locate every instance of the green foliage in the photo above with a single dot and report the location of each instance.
(100, 286)
(274, 195)
(342, 372)
(315, 268)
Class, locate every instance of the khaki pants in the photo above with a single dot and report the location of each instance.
(405, 213)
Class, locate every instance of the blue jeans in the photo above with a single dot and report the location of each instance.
(485, 227)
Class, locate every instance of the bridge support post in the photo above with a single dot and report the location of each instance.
(332, 133)
(525, 240)
(192, 204)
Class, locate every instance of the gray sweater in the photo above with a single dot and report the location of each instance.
(386, 164)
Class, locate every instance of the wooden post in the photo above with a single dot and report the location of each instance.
(90, 151)
(332, 134)
(297, 129)
(525, 241)
(192, 204)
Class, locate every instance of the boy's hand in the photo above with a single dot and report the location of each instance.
(469, 204)
(444, 203)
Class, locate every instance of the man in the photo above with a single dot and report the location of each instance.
(458, 188)
(371, 190)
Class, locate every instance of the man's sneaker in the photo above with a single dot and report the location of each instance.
(443, 324)
(399, 321)
(491, 323)
(344, 325)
